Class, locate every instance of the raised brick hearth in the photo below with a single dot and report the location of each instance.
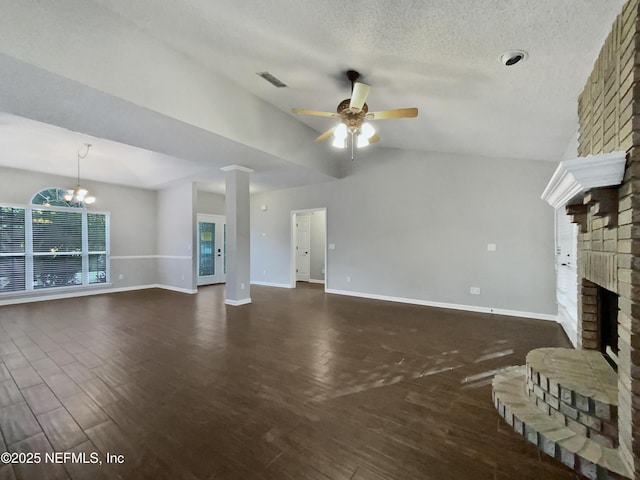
(565, 402)
(578, 388)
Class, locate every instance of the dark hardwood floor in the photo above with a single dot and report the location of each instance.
(297, 385)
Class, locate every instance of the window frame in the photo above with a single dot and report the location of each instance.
(29, 255)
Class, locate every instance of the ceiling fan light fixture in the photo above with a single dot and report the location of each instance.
(339, 142)
(352, 113)
(362, 141)
(367, 131)
(340, 132)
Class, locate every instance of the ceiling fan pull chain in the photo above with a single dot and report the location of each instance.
(352, 146)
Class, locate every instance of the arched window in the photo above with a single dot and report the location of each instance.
(52, 197)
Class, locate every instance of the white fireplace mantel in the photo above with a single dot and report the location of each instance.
(574, 177)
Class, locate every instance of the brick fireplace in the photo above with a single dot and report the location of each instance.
(572, 404)
(609, 219)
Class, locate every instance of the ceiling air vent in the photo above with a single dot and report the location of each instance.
(271, 79)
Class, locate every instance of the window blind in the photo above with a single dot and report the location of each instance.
(56, 232)
(97, 245)
(12, 249)
(57, 248)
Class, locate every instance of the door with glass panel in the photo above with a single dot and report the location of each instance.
(212, 266)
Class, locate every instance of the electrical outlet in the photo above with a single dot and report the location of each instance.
(242, 286)
(491, 247)
(474, 290)
(348, 279)
(120, 277)
(264, 273)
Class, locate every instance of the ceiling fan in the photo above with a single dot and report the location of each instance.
(352, 113)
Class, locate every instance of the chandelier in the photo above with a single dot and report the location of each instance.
(80, 195)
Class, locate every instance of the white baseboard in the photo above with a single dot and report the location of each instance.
(141, 257)
(271, 284)
(190, 291)
(35, 297)
(27, 298)
(372, 296)
(453, 306)
(237, 303)
(316, 281)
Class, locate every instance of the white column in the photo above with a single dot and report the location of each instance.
(238, 235)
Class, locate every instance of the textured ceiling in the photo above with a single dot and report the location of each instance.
(442, 57)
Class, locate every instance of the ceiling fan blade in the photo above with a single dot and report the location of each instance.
(375, 138)
(359, 96)
(325, 135)
(397, 113)
(314, 112)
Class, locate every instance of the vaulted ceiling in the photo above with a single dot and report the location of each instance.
(178, 79)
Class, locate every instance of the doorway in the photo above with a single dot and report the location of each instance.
(212, 255)
(309, 246)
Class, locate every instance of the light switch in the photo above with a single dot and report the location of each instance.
(491, 247)
(332, 246)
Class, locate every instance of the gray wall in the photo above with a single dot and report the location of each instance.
(211, 203)
(176, 236)
(133, 222)
(416, 225)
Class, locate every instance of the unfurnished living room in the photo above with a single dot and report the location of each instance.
(319, 240)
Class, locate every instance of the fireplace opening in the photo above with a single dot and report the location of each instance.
(608, 325)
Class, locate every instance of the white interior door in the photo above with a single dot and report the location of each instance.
(303, 245)
(212, 266)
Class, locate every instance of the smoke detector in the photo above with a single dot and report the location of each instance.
(510, 58)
